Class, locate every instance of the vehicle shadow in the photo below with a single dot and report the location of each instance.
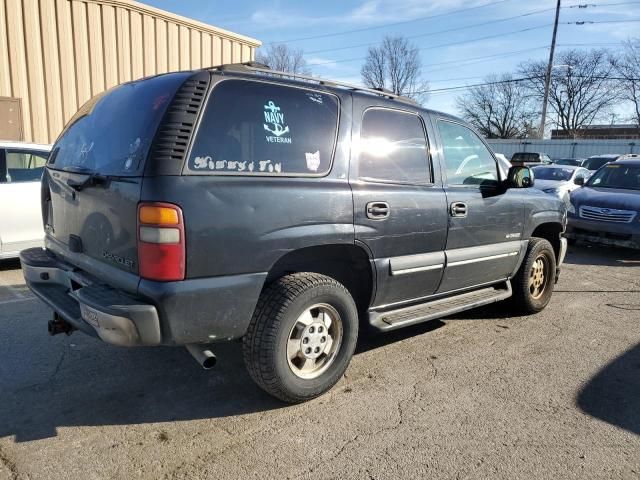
(613, 394)
(49, 383)
(9, 264)
(585, 254)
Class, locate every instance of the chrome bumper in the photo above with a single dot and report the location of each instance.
(97, 309)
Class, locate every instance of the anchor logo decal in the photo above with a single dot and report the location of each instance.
(272, 115)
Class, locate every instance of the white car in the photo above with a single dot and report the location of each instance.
(559, 180)
(21, 167)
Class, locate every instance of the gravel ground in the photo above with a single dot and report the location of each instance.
(556, 395)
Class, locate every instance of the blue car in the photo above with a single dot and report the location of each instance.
(606, 209)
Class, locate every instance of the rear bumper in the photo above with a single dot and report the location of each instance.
(167, 313)
(89, 306)
(615, 234)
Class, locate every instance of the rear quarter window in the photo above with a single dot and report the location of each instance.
(258, 128)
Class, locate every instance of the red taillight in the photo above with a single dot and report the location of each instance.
(161, 243)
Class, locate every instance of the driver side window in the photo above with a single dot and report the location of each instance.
(467, 160)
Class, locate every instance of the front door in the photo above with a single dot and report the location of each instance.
(20, 211)
(485, 221)
(400, 206)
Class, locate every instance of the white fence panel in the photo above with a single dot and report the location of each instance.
(565, 148)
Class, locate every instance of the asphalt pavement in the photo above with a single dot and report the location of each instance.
(480, 395)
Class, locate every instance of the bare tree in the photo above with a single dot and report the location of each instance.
(499, 109)
(627, 68)
(396, 66)
(581, 88)
(279, 56)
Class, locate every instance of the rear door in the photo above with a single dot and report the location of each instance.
(21, 225)
(399, 203)
(485, 222)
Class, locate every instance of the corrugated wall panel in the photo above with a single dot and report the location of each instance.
(137, 45)
(216, 50)
(67, 60)
(161, 46)
(51, 69)
(110, 37)
(81, 48)
(196, 61)
(226, 50)
(56, 54)
(173, 47)
(185, 48)
(35, 65)
(206, 50)
(18, 60)
(124, 45)
(149, 50)
(5, 73)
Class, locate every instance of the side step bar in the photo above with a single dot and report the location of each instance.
(402, 317)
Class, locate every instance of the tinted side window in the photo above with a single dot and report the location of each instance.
(393, 147)
(467, 159)
(260, 128)
(25, 166)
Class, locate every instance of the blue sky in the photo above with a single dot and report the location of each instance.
(461, 61)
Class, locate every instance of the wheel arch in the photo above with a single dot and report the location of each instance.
(349, 264)
(550, 231)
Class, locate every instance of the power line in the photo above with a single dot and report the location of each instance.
(513, 80)
(329, 62)
(385, 25)
(490, 22)
(588, 22)
(443, 44)
(587, 5)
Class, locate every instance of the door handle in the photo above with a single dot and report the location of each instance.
(378, 210)
(458, 209)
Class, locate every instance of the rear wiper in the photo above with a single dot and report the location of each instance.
(95, 179)
(91, 180)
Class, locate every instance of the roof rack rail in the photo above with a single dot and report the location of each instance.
(258, 67)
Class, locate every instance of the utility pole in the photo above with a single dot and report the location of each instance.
(547, 78)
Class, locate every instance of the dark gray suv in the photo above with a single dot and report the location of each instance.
(239, 203)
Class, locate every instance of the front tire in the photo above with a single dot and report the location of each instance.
(534, 282)
(302, 336)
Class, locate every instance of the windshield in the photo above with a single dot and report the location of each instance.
(525, 157)
(549, 173)
(596, 162)
(111, 133)
(568, 161)
(616, 176)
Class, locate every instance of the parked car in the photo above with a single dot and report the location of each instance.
(607, 209)
(21, 167)
(530, 159)
(234, 202)
(594, 162)
(574, 162)
(559, 180)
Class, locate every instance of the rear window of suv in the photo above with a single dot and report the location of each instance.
(259, 128)
(112, 133)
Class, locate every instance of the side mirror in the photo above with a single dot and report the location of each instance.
(579, 181)
(520, 177)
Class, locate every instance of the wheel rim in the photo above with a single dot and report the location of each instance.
(314, 341)
(539, 276)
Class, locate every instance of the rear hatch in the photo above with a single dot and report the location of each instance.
(92, 184)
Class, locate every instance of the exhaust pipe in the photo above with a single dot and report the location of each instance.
(59, 325)
(205, 357)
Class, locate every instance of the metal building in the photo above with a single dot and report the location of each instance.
(56, 54)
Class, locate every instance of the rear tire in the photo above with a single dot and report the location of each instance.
(534, 282)
(302, 336)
